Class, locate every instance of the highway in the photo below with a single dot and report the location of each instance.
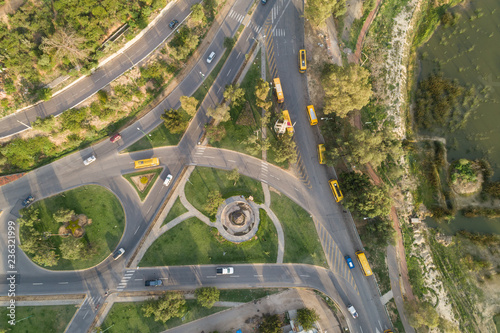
(280, 25)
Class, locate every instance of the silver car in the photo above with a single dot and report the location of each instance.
(89, 160)
(211, 57)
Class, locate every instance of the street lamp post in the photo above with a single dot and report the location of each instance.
(147, 136)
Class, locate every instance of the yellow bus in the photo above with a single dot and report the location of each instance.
(289, 126)
(279, 90)
(150, 162)
(363, 263)
(313, 120)
(321, 156)
(302, 61)
(336, 190)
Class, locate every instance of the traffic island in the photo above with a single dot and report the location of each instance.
(143, 181)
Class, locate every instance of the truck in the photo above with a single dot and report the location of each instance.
(225, 270)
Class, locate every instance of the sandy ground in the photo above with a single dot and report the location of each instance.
(354, 11)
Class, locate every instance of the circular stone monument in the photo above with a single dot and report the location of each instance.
(238, 219)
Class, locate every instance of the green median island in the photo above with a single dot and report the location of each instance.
(29, 319)
(76, 229)
(302, 243)
(205, 182)
(143, 181)
(192, 242)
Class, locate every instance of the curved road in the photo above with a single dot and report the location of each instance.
(311, 192)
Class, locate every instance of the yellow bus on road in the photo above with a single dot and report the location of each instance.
(279, 90)
(363, 263)
(334, 185)
(313, 120)
(302, 61)
(321, 151)
(150, 162)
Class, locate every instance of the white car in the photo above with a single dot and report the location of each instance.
(211, 57)
(225, 270)
(352, 310)
(89, 160)
(168, 180)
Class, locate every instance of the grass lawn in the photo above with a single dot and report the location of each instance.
(194, 243)
(177, 210)
(144, 193)
(236, 134)
(52, 318)
(203, 180)
(103, 235)
(160, 137)
(129, 317)
(301, 239)
(245, 295)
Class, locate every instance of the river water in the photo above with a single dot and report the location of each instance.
(469, 52)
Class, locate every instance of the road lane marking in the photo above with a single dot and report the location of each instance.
(217, 92)
(258, 275)
(63, 283)
(304, 275)
(209, 157)
(86, 313)
(137, 230)
(130, 271)
(229, 72)
(211, 277)
(239, 53)
(149, 209)
(138, 279)
(235, 276)
(231, 160)
(37, 284)
(126, 277)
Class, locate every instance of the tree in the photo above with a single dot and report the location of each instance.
(307, 317)
(423, 315)
(184, 42)
(271, 324)
(207, 296)
(65, 43)
(63, 215)
(44, 94)
(45, 257)
(234, 175)
(318, 11)
(285, 150)
(234, 94)
(197, 13)
(360, 147)
(364, 198)
(255, 144)
(73, 248)
(229, 42)
(171, 304)
(216, 132)
(214, 200)
(189, 104)
(173, 120)
(346, 88)
(220, 113)
(46, 125)
(261, 94)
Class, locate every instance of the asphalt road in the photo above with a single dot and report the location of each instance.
(311, 192)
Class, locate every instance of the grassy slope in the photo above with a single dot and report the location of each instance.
(51, 319)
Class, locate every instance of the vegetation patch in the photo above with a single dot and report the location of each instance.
(52, 318)
(192, 242)
(143, 181)
(177, 210)
(466, 177)
(40, 224)
(204, 181)
(161, 136)
(246, 295)
(129, 317)
(301, 239)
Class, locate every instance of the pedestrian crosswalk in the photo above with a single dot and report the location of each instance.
(126, 278)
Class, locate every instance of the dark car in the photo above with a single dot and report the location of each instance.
(263, 2)
(349, 262)
(173, 24)
(28, 201)
(115, 137)
(153, 283)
